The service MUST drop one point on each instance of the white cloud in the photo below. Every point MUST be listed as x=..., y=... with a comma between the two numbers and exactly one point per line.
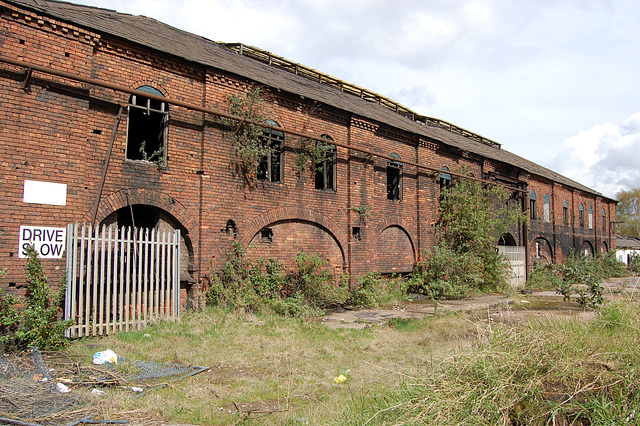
x=604, y=157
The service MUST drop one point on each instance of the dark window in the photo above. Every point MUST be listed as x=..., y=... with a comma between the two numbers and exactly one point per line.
x=581, y=216
x=604, y=220
x=394, y=178
x=270, y=166
x=266, y=235
x=532, y=205
x=565, y=212
x=445, y=179
x=357, y=234
x=147, y=128
x=326, y=169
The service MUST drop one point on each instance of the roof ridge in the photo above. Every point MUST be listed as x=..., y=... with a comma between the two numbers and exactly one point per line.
x=280, y=62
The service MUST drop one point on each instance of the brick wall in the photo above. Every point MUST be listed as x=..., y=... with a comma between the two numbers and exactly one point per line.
x=60, y=131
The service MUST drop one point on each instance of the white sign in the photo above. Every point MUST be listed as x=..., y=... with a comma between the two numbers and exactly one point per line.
x=38, y=192
x=48, y=242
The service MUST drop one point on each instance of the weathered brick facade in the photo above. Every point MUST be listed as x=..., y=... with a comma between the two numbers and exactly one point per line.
x=57, y=129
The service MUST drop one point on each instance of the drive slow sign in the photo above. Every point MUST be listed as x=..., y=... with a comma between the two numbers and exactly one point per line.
x=48, y=242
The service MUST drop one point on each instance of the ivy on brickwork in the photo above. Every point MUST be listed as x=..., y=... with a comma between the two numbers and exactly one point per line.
x=311, y=154
x=248, y=144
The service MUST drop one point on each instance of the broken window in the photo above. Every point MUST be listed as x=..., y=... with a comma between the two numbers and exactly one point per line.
x=445, y=179
x=394, y=178
x=547, y=209
x=326, y=169
x=581, y=216
x=590, y=217
x=532, y=205
x=270, y=166
x=147, y=128
x=565, y=212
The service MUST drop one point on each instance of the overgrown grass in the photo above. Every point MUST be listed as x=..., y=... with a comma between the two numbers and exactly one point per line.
x=448, y=369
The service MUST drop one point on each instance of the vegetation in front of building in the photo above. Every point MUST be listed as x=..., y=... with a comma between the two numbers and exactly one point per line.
x=309, y=289
x=579, y=275
x=472, y=218
x=449, y=369
x=39, y=324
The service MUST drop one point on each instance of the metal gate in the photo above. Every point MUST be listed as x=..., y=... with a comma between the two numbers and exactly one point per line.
x=517, y=259
x=120, y=279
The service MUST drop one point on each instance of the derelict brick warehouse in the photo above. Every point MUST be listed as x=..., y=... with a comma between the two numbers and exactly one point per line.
x=109, y=118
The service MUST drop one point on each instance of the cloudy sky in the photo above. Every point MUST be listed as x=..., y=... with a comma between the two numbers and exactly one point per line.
x=555, y=81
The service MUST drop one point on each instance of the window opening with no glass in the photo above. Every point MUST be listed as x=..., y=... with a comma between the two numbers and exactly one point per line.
x=147, y=128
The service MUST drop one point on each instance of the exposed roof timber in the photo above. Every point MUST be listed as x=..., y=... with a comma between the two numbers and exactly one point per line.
x=310, y=73
x=194, y=107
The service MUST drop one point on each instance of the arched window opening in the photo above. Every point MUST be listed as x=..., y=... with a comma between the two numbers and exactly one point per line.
x=565, y=212
x=325, y=176
x=590, y=217
x=532, y=205
x=604, y=220
x=581, y=216
x=547, y=209
x=147, y=128
x=270, y=166
x=394, y=178
x=445, y=179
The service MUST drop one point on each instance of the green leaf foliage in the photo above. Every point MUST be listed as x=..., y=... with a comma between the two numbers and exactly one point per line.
x=472, y=218
x=628, y=212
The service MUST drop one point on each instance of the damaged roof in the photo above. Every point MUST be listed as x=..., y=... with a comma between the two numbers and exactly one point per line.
x=165, y=38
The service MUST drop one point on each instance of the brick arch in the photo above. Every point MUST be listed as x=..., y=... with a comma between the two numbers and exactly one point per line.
x=144, y=82
x=123, y=198
x=295, y=213
x=405, y=225
x=546, y=250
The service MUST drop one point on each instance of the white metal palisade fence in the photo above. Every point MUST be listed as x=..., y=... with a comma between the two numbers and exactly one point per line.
x=120, y=279
x=516, y=256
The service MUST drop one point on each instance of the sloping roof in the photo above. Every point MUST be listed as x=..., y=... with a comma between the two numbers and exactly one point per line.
x=630, y=243
x=165, y=38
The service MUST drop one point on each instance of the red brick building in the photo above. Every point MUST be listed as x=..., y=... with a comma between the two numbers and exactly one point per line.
x=111, y=118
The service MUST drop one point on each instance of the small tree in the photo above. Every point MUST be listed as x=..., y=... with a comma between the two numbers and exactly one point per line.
x=472, y=217
x=40, y=325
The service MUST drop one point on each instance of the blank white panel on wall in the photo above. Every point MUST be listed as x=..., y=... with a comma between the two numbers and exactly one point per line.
x=37, y=192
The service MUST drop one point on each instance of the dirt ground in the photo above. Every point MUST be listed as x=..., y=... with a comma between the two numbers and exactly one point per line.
x=517, y=307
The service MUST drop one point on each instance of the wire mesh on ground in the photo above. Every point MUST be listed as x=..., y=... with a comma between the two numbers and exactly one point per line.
x=28, y=384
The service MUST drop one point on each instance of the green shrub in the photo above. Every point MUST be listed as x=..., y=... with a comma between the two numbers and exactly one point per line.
x=544, y=276
x=9, y=315
x=634, y=263
x=264, y=285
x=371, y=290
x=40, y=325
x=443, y=274
x=316, y=283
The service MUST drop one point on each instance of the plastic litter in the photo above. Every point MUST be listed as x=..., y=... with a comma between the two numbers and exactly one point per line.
x=105, y=357
x=136, y=389
x=62, y=388
x=97, y=392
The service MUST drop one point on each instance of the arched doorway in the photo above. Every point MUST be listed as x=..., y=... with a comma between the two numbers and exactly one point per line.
x=150, y=217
